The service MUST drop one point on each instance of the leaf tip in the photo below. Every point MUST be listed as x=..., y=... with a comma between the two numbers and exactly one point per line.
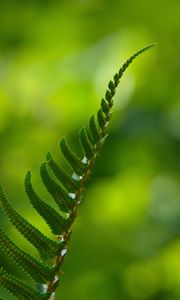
x=28, y=175
x=48, y=156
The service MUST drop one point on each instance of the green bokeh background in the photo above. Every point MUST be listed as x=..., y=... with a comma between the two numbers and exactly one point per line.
x=56, y=58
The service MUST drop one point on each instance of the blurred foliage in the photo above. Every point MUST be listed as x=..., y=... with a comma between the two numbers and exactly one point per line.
x=56, y=58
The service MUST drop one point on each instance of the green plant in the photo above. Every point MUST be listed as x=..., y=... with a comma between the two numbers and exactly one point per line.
x=67, y=194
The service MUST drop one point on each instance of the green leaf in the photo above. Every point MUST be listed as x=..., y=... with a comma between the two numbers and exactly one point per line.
x=112, y=87
x=46, y=247
x=67, y=180
x=60, y=196
x=94, y=130
x=105, y=107
x=116, y=79
x=34, y=268
x=109, y=96
x=18, y=287
x=78, y=166
x=101, y=119
x=57, y=223
x=86, y=144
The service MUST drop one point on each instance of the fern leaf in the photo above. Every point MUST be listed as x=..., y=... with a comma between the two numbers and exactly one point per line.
x=116, y=82
x=112, y=87
x=56, y=222
x=34, y=268
x=101, y=119
x=109, y=96
x=19, y=288
x=60, y=196
x=105, y=107
x=46, y=247
x=75, y=162
x=86, y=144
x=67, y=180
x=94, y=130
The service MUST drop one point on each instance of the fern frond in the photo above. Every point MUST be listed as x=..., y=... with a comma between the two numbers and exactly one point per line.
x=37, y=270
x=46, y=247
x=19, y=288
x=67, y=192
x=56, y=222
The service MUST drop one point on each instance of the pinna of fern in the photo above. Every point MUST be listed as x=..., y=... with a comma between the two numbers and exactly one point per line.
x=67, y=191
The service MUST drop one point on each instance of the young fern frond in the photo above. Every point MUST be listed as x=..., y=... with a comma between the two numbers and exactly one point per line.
x=67, y=191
